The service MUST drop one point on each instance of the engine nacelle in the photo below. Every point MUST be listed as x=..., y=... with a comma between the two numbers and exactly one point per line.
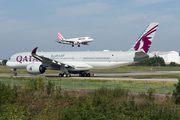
x=35, y=68
x=76, y=42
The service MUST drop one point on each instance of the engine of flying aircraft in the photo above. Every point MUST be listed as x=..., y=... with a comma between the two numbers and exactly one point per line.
x=35, y=68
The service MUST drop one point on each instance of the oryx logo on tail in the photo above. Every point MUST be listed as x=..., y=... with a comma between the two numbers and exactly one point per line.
x=146, y=38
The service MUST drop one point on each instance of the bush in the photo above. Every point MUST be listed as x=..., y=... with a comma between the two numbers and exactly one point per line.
x=7, y=94
x=9, y=112
x=50, y=87
x=176, y=92
x=155, y=61
x=150, y=94
x=102, y=103
x=173, y=64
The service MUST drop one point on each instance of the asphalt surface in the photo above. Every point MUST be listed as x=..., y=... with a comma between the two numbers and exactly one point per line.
x=114, y=76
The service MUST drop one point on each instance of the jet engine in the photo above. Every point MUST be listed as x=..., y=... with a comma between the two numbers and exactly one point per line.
x=35, y=68
x=76, y=42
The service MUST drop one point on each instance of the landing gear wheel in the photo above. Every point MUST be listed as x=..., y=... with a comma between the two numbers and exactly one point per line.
x=14, y=74
x=61, y=75
x=68, y=75
x=80, y=74
x=72, y=45
x=84, y=74
x=78, y=45
x=64, y=75
x=88, y=75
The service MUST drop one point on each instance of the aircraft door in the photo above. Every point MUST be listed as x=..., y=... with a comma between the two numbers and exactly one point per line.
x=79, y=58
x=114, y=58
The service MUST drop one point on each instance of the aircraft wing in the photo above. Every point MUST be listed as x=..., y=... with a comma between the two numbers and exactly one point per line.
x=47, y=61
x=68, y=40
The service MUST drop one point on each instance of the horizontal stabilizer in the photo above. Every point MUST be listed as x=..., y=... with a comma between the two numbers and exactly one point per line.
x=140, y=56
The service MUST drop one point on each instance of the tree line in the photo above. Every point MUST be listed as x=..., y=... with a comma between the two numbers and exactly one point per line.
x=155, y=61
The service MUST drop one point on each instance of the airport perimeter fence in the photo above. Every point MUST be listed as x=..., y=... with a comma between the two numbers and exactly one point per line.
x=87, y=85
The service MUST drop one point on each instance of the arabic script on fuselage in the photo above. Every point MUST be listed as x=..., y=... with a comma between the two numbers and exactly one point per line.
x=57, y=55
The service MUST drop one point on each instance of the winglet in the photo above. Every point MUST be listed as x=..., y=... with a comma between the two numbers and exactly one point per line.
x=34, y=51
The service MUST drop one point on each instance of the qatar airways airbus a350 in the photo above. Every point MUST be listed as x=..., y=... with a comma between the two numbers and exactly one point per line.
x=81, y=62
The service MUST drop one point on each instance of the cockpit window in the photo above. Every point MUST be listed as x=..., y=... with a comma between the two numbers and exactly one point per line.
x=9, y=58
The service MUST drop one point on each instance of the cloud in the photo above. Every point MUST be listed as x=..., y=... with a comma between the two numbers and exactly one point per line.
x=132, y=17
x=82, y=10
x=147, y=2
x=150, y=17
x=2, y=13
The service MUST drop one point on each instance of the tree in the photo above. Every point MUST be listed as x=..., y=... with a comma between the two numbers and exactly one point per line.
x=155, y=61
x=4, y=62
x=173, y=64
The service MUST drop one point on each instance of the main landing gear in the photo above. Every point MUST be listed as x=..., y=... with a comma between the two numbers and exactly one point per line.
x=64, y=75
x=84, y=75
x=73, y=45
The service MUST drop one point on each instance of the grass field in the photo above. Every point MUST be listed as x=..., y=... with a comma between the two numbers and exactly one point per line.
x=152, y=76
x=90, y=84
x=7, y=70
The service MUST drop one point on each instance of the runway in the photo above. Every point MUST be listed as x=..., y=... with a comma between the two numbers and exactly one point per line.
x=114, y=76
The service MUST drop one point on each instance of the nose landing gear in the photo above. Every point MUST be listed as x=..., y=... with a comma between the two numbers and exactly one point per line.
x=15, y=73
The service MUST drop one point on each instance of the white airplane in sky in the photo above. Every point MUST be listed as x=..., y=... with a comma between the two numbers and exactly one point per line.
x=80, y=62
x=74, y=41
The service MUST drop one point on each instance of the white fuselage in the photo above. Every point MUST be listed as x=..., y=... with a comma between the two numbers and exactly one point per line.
x=79, y=60
x=76, y=41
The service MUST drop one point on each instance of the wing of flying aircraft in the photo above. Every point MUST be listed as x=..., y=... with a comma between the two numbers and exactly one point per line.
x=80, y=62
x=74, y=41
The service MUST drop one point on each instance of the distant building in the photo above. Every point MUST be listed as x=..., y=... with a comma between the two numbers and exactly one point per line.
x=1, y=61
x=169, y=56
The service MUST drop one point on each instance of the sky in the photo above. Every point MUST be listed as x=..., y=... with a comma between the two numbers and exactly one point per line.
x=114, y=25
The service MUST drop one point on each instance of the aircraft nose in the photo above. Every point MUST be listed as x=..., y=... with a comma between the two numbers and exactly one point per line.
x=8, y=63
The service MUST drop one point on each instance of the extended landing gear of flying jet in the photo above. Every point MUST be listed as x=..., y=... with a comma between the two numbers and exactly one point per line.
x=64, y=75
x=84, y=75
